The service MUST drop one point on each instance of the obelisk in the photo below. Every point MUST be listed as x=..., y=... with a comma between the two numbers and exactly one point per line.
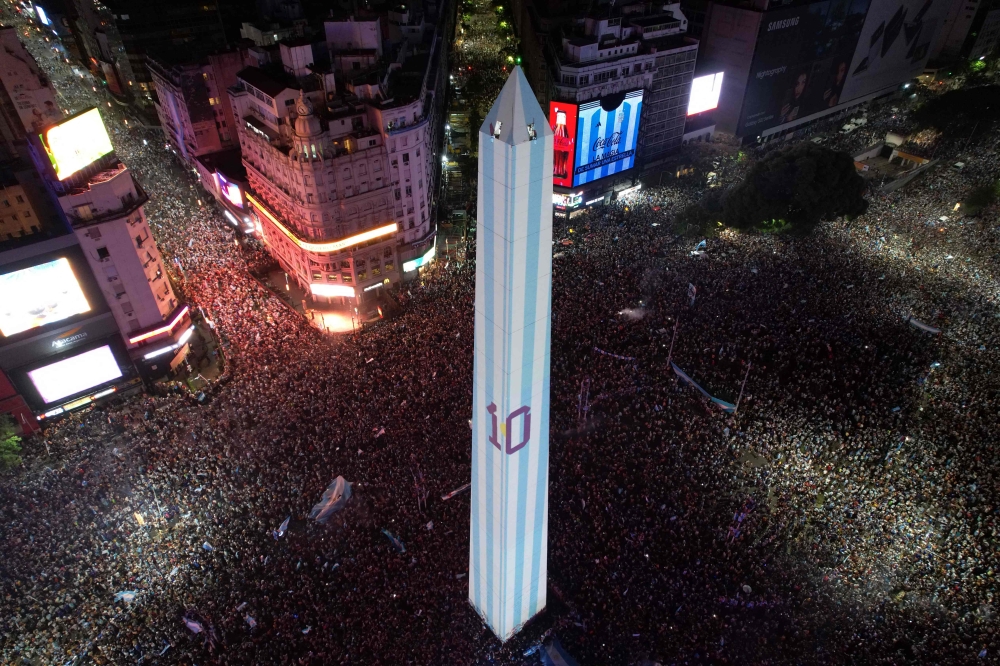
x=510, y=396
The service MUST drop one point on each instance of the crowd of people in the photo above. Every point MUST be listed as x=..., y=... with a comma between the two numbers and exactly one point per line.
x=845, y=513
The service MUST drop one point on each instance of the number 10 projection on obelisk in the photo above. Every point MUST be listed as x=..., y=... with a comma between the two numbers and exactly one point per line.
x=510, y=421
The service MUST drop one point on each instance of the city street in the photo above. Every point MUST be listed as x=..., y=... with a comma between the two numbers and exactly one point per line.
x=846, y=513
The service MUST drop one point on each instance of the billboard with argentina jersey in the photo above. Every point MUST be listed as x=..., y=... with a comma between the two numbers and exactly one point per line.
x=607, y=130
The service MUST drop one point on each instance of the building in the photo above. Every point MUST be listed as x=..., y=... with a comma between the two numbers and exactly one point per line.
x=635, y=57
x=192, y=103
x=508, y=542
x=341, y=178
x=116, y=36
x=269, y=34
x=986, y=37
x=787, y=65
x=27, y=101
x=958, y=19
x=103, y=204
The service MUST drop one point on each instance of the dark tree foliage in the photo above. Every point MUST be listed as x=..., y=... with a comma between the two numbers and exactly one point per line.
x=957, y=112
x=980, y=198
x=796, y=188
x=701, y=219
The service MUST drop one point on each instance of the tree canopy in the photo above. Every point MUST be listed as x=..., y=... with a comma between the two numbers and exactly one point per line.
x=791, y=189
x=959, y=111
x=9, y=444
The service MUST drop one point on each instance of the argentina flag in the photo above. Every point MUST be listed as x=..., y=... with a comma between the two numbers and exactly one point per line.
x=607, y=133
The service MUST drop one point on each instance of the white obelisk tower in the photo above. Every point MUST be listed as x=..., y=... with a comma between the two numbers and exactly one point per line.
x=508, y=548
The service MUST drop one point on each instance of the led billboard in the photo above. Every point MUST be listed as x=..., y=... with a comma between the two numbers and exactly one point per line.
x=705, y=91
x=894, y=46
x=75, y=374
x=42, y=16
x=562, y=119
x=39, y=295
x=230, y=190
x=606, y=135
x=801, y=62
x=76, y=143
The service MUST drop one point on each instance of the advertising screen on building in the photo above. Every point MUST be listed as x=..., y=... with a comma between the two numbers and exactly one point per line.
x=230, y=190
x=801, y=62
x=606, y=135
x=76, y=143
x=705, y=91
x=894, y=46
x=75, y=374
x=42, y=16
x=562, y=119
x=39, y=295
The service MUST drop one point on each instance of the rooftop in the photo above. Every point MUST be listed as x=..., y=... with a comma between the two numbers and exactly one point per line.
x=267, y=82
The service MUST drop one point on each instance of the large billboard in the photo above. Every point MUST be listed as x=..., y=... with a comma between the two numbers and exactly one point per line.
x=607, y=131
x=562, y=120
x=705, y=92
x=75, y=374
x=76, y=143
x=39, y=295
x=894, y=45
x=801, y=63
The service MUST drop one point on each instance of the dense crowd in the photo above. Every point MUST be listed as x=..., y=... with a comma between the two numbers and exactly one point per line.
x=845, y=514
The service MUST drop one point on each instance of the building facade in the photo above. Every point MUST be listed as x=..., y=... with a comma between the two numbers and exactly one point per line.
x=193, y=106
x=340, y=183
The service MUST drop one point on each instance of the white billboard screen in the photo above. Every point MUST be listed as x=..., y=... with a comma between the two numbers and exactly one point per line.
x=705, y=91
x=77, y=143
x=39, y=295
x=75, y=374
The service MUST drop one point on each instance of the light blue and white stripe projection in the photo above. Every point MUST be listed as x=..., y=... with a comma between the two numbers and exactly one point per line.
x=508, y=547
x=606, y=138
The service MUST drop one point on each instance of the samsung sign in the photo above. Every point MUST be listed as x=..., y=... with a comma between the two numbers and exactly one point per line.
x=784, y=23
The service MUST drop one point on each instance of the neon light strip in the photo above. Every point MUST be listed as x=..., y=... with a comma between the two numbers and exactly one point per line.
x=162, y=329
x=330, y=246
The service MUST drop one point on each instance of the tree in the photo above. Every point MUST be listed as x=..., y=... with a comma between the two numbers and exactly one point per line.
x=980, y=198
x=796, y=188
x=9, y=444
x=959, y=112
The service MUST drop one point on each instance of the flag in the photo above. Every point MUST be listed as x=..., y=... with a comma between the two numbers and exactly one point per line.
x=139, y=519
x=127, y=596
x=692, y=293
x=252, y=622
x=922, y=326
x=701, y=245
x=194, y=625
x=284, y=526
x=334, y=499
x=725, y=406
x=380, y=433
x=207, y=546
x=395, y=541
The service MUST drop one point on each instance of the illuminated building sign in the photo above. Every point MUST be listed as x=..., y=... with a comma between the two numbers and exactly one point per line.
x=328, y=246
x=322, y=289
x=163, y=329
x=42, y=16
x=230, y=190
x=414, y=264
x=75, y=374
x=39, y=295
x=76, y=143
x=562, y=120
x=567, y=200
x=606, y=136
x=705, y=91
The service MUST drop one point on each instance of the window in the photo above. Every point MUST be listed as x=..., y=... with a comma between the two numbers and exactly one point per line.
x=138, y=241
x=409, y=191
x=20, y=199
x=103, y=254
x=389, y=267
x=317, y=275
x=127, y=308
x=345, y=264
x=376, y=271
x=406, y=158
x=387, y=253
x=331, y=278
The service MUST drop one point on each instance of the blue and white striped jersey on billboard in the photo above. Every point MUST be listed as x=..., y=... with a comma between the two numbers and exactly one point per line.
x=606, y=138
x=508, y=554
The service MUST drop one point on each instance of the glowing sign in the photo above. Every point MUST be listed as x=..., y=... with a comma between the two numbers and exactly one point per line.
x=75, y=374
x=414, y=264
x=163, y=329
x=42, y=16
x=76, y=143
x=606, y=136
x=230, y=190
x=40, y=295
x=562, y=120
x=507, y=429
x=321, y=289
x=329, y=246
x=705, y=91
